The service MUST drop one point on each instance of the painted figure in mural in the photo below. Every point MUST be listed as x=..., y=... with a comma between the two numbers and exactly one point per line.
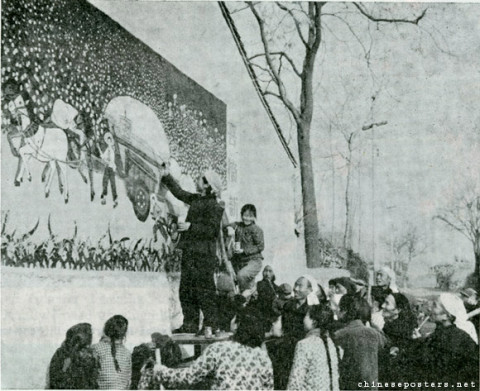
x=198, y=243
x=46, y=144
x=19, y=109
x=108, y=157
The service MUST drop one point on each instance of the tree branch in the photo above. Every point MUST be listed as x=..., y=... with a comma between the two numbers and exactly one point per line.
x=281, y=54
x=365, y=51
x=262, y=68
x=272, y=94
x=388, y=20
x=455, y=227
x=370, y=126
x=276, y=77
x=297, y=23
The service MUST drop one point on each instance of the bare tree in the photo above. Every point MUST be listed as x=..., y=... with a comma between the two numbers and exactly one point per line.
x=405, y=244
x=463, y=216
x=277, y=66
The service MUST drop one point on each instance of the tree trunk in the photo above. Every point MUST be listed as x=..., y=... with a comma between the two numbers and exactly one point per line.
x=476, y=249
x=333, y=184
x=476, y=273
x=310, y=220
x=347, y=234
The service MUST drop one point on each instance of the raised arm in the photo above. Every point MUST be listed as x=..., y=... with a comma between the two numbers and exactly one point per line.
x=194, y=373
x=177, y=191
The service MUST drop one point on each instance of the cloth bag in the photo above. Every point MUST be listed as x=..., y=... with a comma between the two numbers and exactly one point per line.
x=225, y=278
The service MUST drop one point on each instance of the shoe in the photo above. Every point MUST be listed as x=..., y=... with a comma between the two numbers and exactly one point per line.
x=103, y=201
x=115, y=203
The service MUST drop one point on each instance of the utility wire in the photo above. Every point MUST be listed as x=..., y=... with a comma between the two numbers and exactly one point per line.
x=254, y=79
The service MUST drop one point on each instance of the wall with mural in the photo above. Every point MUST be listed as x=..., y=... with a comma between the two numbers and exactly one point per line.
x=89, y=115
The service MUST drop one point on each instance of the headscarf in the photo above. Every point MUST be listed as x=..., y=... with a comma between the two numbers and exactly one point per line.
x=454, y=306
x=312, y=298
x=393, y=278
x=214, y=181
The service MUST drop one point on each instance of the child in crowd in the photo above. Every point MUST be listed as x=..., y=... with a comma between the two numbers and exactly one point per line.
x=315, y=365
x=113, y=357
x=249, y=244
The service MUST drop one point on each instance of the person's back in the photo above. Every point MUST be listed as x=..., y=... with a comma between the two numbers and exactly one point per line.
x=73, y=365
x=109, y=378
x=114, y=360
x=240, y=364
x=321, y=374
x=360, y=345
x=229, y=366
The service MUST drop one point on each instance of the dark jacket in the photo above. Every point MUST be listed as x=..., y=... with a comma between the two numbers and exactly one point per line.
x=267, y=292
x=361, y=345
x=448, y=355
x=380, y=293
x=204, y=215
x=73, y=365
x=251, y=239
x=292, y=320
x=399, y=334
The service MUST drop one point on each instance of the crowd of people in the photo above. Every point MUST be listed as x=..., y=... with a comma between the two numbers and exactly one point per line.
x=350, y=336
x=294, y=339
x=71, y=51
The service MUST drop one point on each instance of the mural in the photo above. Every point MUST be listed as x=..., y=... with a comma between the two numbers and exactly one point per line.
x=83, y=97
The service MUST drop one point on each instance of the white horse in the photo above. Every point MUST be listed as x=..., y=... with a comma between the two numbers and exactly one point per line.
x=47, y=145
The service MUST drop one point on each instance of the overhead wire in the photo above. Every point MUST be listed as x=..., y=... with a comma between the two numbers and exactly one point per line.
x=253, y=77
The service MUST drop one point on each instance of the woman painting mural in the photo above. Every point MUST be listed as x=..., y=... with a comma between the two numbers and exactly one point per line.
x=198, y=245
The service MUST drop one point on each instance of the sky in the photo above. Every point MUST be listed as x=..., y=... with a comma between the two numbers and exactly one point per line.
x=427, y=82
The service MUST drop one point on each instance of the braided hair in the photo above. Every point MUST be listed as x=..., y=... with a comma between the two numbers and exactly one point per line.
x=322, y=316
x=116, y=329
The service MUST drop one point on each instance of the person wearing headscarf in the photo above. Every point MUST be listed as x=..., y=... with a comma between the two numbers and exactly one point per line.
x=450, y=353
x=267, y=292
x=198, y=243
x=471, y=303
x=73, y=365
x=454, y=306
x=399, y=325
x=386, y=284
x=317, y=295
